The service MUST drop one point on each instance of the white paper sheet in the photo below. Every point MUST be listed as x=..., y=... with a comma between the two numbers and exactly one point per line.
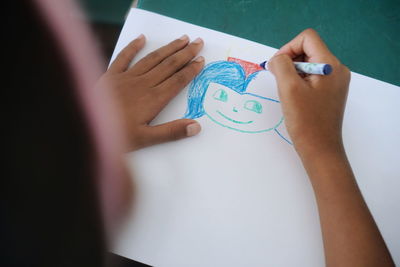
x=230, y=198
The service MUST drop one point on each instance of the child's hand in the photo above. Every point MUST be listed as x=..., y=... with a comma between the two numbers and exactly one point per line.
x=313, y=106
x=144, y=89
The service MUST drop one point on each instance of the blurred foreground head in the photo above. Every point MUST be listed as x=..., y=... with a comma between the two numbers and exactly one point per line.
x=62, y=145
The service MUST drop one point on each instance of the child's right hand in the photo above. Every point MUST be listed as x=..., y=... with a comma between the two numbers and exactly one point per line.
x=313, y=106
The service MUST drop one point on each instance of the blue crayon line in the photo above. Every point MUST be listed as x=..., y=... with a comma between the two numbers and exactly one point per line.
x=262, y=97
x=290, y=143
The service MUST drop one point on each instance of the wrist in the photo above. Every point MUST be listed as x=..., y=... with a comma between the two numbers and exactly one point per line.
x=318, y=152
x=310, y=148
x=324, y=160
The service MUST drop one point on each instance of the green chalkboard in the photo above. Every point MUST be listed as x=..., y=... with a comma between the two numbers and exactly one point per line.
x=363, y=34
x=106, y=11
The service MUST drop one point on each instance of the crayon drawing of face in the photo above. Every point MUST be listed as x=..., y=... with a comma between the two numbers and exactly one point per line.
x=245, y=113
x=231, y=95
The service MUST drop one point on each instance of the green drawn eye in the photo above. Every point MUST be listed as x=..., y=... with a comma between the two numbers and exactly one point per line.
x=221, y=95
x=253, y=105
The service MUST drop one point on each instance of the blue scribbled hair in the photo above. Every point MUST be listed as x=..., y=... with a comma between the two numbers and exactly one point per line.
x=229, y=74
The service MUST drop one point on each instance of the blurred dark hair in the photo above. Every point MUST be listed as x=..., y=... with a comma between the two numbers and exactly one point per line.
x=49, y=204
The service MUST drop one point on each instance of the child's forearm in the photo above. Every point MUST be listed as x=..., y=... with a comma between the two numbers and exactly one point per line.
x=350, y=235
x=313, y=107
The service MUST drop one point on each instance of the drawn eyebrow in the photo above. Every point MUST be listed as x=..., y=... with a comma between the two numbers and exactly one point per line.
x=262, y=97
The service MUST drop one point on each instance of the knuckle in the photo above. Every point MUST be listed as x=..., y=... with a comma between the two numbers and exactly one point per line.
x=173, y=61
x=192, y=51
x=174, y=132
x=141, y=137
x=133, y=48
x=175, y=43
x=336, y=63
x=160, y=96
x=178, y=43
x=282, y=57
x=155, y=54
x=336, y=66
x=123, y=55
x=278, y=58
x=182, y=77
x=128, y=52
x=291, y=84
x=145, y=80
x=194, y=69
x=123, y=59
x=346, y=71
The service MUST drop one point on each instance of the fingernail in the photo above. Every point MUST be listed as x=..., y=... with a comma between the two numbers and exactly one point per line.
x=141, y=36
x=199, y=59
x=198, y=41
x=184, y=37
x=193, y=129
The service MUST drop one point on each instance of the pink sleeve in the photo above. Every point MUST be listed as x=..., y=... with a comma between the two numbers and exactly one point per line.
x=74, y=39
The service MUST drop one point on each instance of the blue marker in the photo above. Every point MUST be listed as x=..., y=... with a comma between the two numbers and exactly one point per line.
x=309, y=68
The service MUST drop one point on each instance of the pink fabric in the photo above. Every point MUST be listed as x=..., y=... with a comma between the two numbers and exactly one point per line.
x=74, y=39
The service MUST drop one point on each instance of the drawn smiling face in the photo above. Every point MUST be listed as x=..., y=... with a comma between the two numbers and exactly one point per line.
x=244, y=112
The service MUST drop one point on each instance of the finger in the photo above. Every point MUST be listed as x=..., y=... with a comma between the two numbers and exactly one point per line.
x=284, y=71
x=172, y=86
x=125, y=57
x=174, y=62
x=310, y=44
x=171, y=131
x=155, y=57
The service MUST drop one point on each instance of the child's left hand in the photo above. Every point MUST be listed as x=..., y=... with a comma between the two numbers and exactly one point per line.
x=144, y=89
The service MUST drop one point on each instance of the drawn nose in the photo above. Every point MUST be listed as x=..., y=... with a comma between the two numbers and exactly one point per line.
x=234, y=109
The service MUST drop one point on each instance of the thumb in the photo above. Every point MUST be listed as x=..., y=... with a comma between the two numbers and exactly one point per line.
x=172, y=131
x=284, y=71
